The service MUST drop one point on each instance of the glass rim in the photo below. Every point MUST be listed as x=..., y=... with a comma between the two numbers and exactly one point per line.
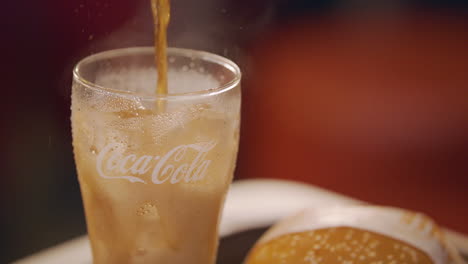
x=189, y=53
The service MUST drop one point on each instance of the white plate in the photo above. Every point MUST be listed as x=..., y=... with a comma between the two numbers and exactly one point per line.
x=250, y=204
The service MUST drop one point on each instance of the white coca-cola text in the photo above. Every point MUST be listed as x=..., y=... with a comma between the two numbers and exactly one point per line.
x=166, y=168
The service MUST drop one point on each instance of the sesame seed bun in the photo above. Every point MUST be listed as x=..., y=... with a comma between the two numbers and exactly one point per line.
x=353, y=235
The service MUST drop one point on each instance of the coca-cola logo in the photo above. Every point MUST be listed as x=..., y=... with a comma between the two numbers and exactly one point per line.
x=172, y=167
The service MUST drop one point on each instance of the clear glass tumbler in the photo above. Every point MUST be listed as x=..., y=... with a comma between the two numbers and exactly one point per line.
x=154, y=170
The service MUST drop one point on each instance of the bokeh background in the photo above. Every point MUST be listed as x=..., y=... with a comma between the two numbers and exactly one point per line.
x=366, y=98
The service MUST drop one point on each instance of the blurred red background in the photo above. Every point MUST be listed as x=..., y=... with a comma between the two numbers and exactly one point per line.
x=372, y=107
x=366, y=98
